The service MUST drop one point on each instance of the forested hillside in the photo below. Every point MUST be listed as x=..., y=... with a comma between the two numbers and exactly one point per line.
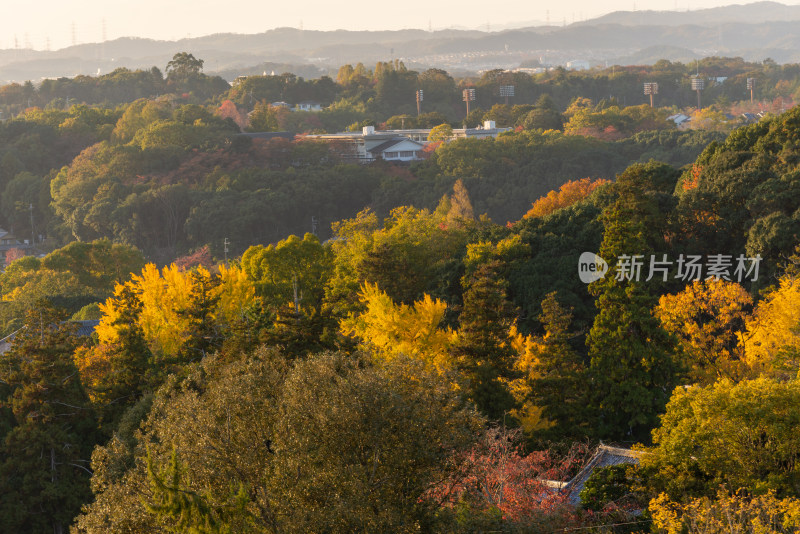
x=441, y=357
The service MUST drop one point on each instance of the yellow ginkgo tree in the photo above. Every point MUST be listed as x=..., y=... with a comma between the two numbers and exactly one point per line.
x=391, y=329
x=772, y=341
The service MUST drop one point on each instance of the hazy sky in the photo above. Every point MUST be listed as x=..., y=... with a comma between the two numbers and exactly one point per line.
x=62, y=22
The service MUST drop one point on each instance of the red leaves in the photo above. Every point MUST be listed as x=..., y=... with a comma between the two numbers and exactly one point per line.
x=13, y=255
x=497, y=474
x=200, y=257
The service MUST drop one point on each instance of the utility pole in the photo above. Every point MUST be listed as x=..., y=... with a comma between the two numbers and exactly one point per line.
x=751, y=83
x=419, y=101
x=296, y=297
x=33, y=234
x=314, y=224
x=225, y=244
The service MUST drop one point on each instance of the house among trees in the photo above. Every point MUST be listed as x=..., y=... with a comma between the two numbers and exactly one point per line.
x=396, y=145
x=370, y=145
x=9, y=243
x=308, y=105
x=679, y=119
x=605, y=456
x=398, y=149
x=489, y=129
x=7, y=239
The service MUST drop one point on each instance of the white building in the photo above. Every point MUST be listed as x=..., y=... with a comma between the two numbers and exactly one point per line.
x=489, y=129
x=308, y=105
x=397, y=145
x=397, y=149
x=578, y=64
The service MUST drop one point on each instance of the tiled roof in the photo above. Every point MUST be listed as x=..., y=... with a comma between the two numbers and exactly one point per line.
x=86, y=328
x=605, y=456
x=386, y=144
x=390, y=143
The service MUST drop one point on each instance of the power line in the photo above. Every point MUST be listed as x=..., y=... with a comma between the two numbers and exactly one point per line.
x=572, y=529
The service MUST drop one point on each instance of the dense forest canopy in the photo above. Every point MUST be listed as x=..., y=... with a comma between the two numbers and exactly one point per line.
x=283, y=340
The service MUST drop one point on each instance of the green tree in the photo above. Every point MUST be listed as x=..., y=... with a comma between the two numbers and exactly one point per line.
x=544, y=115
x=483, y=347
x=442, y=132
x=560, y=384
x=44, y=466
x=330, y=444
x=265, y=118
x=728, y=435
x=117, y=375
x=183, y=65
x=187, y=511
x=294, y=271
x=632, y=368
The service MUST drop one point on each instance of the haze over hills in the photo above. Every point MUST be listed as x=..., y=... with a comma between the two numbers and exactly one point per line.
x=638, y=37
x=750, y=13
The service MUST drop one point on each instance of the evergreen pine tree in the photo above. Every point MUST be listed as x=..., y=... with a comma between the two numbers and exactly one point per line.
x=131, y=361
x=483, y=349
x=560, y=385
x=44, y=474
x=632, y=367
x=204, y=336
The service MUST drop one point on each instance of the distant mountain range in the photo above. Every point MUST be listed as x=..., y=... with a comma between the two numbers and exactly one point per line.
x=754, y=13
x=753, y=31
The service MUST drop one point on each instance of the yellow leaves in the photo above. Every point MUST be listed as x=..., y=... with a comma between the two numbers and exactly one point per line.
x=401, y=329
x=106, y=331
x=236, y=294
x=163, y=295
x=166, y=294
x=774, y=327
x=709, y=119
x=94, y=365
x=528, y=350
x=665, y=515
x=708, y=318
x=763, y=514
x=391, y=330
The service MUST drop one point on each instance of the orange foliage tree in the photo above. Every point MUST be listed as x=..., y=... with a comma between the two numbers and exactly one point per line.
x=570, y=193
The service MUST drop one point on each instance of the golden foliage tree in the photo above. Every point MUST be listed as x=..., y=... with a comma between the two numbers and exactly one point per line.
x=708, y=317
x=773, y=333
x=762, y=514
x=167, y=295
x=393, y=329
